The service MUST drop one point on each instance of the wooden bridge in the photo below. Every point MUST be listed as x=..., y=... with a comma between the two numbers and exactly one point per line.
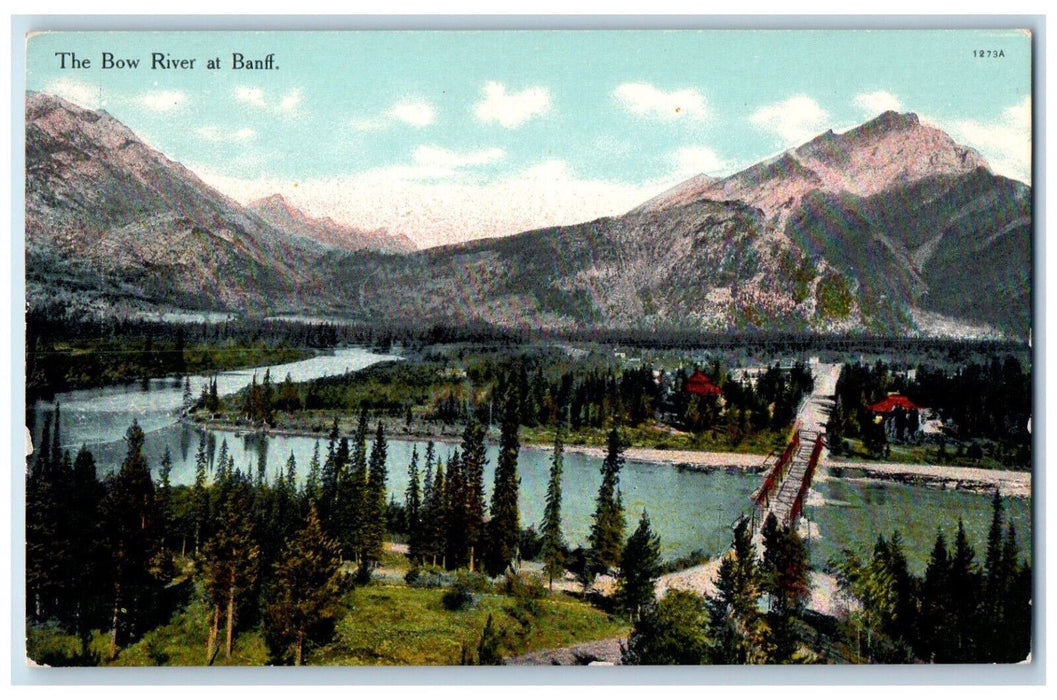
x=786, y=483
x=788, y=479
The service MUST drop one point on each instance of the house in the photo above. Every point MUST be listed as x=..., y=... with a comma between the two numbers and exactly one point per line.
x=901, y=416
x=700, y=384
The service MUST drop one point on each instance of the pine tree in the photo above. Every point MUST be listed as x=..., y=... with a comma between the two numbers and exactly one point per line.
x=312, y=480
x=87, y=563
x=188, y=398
x=673, y=631
x=783, y=574
x=456, y=547
x=165, y=514
x=230, y=558
x=1014, y=643
x=374, y=506
x=504, y=527
x=200, y=509
x=473, y=463
x=640, y=567
x=965, y=589
x=128, y=513
x=307, y=593
x=355, y=506
x=996, y=578
x=933, y=635
x=222, y=460
x=488, y=648
x=42, y=514
x=607, y=528
x=413, y=509
x=328, y=482
x=553, y=551
x=734, y=620
x=436, y=518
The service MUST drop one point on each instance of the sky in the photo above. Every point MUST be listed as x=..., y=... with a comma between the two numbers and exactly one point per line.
x=451, y=136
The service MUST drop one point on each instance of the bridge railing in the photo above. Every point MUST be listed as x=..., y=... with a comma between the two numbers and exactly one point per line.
x=812, y=464
x=775, y=475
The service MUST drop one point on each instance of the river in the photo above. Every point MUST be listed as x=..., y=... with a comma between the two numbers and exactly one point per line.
x=689, y=510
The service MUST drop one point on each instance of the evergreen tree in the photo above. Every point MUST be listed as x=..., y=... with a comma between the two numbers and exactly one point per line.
x=188, y=397
x=607, y=528
x=374, y=507
x=456, y=542
x=1014, y=642
x=413, y=509
x=87, y=563
x=934, y=633
x=735, y=623
x=354, y=507
x=504, y=527
x=43, y=509
x=200, y=509
x=965, y=595
x=312, y=480
x=672, y=631
x=308, y=588
x=128, y=515
x=783, y=577
x=437, y=518
x=488, y=648
x=230, y=559
x=553, y=542
x=640, y=567
x=328, y=482
x=473, y=463
x=165, y=508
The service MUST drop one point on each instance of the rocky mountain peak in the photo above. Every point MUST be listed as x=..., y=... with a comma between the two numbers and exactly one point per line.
x=890, y=149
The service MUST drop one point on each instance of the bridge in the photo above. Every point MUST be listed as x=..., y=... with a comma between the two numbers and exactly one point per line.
x=788, y=479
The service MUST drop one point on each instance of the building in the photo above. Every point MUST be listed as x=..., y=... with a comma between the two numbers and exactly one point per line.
x=901, y=417
x=700, y=384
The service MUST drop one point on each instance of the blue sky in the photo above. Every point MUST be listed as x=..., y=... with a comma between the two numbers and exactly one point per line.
x=449, y=136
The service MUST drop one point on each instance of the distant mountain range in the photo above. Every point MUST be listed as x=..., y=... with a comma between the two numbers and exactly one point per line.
x=890, y=227
x=287, y=218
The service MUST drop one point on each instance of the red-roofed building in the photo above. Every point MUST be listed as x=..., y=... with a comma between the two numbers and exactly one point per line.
x=700, y=384
x=892, y=402
x=899, y=415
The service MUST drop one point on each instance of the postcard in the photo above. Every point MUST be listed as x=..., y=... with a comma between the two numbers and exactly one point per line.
x=549, y=347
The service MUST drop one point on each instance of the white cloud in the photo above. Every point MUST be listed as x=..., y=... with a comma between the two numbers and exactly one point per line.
x=878, y=101
x=77, y=92
x=290, y=101
x=693, y=160
x=434, y=156
x=513, y=109
x=1005, y=142
x=794, y=120
x=646, y=100
x=162, y=100
x=413, y=112
x=251, y=96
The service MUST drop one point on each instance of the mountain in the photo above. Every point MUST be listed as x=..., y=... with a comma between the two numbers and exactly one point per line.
x=110, y=218
x=889, y=228
x=890, y=150
x=707, y=265
x=902, y=213
x=286, y=217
